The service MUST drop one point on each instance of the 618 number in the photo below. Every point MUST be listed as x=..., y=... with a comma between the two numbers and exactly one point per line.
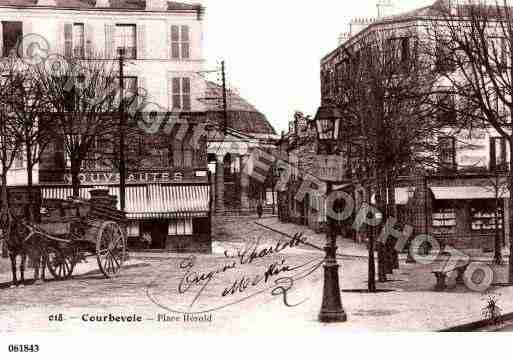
x=23, y=348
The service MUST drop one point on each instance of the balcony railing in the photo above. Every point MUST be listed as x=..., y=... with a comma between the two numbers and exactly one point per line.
x=129, y=52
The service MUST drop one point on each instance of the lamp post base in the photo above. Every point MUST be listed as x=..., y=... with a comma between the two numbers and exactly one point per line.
x=331, y=310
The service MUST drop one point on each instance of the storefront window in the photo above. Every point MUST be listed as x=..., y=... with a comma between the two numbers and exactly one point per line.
x=483, y=217
x=180, y=227
x=444, y=217
x=133, y=229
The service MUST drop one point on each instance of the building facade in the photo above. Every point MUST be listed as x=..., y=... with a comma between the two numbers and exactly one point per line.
x=461, y=202
x=168, y=198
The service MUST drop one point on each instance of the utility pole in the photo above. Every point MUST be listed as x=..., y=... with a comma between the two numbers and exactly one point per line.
x=225, y=104
x=122, y=165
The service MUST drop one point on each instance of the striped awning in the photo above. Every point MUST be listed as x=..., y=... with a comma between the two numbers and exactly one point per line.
x=150, y=201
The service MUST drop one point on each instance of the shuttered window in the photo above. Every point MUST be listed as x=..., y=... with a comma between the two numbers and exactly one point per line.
x=180, y=42
x=78, y=40
x=185, y=42
x=175, y=42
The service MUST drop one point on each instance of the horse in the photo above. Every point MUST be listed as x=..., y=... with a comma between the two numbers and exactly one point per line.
x=23, y=240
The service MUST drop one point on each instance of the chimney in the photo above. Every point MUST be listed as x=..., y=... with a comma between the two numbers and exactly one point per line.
x=385, y=8
x=102, y=3
x=343, y=37
x=156, y=5
x=46, y=3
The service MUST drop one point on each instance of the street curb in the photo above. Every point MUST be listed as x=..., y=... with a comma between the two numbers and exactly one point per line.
x=473, y=326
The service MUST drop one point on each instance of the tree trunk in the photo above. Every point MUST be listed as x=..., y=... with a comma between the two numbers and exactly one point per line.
x=392, y=213
x=498, y=252
x=382, y=269
x=5, y=208
x=372, y=261
x=30, y=183
x=510, y=205
x=75, y=180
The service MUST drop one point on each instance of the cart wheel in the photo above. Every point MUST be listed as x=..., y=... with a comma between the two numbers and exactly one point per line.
x=60, y=263
x=110, y=249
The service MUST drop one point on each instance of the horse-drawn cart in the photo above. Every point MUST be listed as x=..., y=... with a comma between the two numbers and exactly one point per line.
x=92, y=229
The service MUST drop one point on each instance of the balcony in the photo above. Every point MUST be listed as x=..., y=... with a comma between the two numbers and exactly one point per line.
x=129, y=52
x=79, y=52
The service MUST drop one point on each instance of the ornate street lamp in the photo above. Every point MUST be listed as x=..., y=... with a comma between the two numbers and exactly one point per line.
x=327, y=123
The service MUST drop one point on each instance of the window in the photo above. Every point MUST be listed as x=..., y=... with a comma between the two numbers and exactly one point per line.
x=446, y=107
x=405, y=51
x=180, y=42
x=483, y=216
x=498, y=154
x=444, y=60
x=70, y=144
x=92, y=159
x=19, y=158
x=445, y=217
x=447, y=147
x=130, y=87
x=181, y=93
x=126, y=39
x=74, y=40
x=78, y=41
x=180, y=227
x=12, y=33
x=133, y=229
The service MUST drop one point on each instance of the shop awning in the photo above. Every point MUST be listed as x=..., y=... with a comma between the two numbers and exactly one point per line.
x=468, y=192
x=151, y=201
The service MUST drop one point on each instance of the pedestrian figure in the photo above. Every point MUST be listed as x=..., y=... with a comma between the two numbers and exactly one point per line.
x=260, y=209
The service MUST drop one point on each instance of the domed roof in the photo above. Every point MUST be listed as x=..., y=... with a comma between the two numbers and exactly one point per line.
x=242, y=116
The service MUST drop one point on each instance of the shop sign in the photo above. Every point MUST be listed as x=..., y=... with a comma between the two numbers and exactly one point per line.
x=100, y=178
x=330, y=168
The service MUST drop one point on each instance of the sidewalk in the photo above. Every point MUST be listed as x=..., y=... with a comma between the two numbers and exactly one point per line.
x=411, y=303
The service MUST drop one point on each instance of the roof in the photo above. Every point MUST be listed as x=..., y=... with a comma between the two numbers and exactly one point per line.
x=438, y=8
x=114, y=4
x=242, y=116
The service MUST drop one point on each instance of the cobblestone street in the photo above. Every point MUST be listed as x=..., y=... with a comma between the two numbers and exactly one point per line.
x=154, y=287
x=150, y=276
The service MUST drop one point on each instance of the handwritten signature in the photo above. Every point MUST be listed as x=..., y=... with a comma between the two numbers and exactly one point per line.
x=278, y=276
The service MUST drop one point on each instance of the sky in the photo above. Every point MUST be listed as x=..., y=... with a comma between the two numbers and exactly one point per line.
x=273, y=48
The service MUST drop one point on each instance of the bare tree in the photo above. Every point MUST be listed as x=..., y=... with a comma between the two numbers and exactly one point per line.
x=386, y=93
x=10, y=144
x=31, y=124
x=474, y=42
x=83, y=95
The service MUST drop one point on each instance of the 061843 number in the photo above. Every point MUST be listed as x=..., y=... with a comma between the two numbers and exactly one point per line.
x=23, y=348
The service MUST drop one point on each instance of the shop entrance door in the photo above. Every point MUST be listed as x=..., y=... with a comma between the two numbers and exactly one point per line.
x=158, y=232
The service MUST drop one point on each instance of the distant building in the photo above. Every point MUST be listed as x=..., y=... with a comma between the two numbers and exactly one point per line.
x=456, y=202
x=247, y=129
